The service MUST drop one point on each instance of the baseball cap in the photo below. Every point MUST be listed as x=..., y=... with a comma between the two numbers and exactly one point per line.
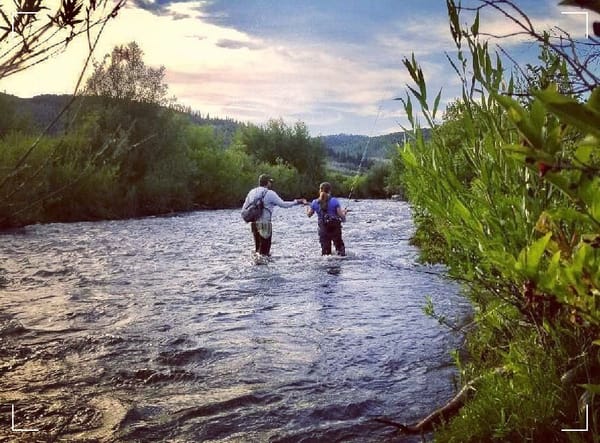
x=263, y=179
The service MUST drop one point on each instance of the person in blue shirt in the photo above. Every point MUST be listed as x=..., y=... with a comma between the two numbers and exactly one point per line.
x=330, y=217
x=262, y=229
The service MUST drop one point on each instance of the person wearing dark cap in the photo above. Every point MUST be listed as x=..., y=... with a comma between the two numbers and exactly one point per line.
x=330, y=217
x=262, y=229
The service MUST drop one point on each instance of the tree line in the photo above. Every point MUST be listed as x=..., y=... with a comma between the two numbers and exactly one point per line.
x=125, y=149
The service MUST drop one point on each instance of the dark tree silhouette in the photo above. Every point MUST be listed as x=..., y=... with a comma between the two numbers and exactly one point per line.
x=32, y=32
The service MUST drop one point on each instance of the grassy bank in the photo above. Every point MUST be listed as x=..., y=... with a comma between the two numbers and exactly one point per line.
x=506, y=192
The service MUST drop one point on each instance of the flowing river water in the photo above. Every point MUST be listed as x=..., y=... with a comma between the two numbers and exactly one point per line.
x=163, y=329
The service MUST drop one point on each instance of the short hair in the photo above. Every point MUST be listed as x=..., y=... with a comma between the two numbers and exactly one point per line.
x=325, y=187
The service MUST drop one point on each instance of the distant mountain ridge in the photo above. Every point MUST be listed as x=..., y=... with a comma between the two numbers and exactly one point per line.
x=42, y=109
x=349, y=148
x=343, y=148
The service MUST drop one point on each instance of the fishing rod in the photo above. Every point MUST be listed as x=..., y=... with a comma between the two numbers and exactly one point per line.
x=364, y=154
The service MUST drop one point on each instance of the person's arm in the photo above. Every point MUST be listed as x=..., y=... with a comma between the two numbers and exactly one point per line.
x=276, y=200
x=310, y=211
x=341, y=213
x=247, y=201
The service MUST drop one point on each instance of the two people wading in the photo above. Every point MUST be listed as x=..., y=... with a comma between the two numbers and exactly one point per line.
x=328, y=209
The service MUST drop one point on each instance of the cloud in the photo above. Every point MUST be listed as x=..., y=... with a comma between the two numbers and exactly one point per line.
x=421, y=37
x=330, y=80
x=237, y=44
x=172, y=9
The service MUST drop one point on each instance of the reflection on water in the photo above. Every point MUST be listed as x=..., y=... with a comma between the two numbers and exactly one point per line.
x=163, y=329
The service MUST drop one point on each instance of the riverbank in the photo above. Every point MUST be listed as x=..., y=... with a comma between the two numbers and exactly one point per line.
x=506, y=193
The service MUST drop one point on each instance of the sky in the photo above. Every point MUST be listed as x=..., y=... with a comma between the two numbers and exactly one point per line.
x=335, y=65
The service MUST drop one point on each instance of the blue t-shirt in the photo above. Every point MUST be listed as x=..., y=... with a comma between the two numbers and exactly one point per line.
x=332, y=206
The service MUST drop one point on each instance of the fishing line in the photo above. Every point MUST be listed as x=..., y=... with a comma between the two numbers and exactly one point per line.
x=364, y=154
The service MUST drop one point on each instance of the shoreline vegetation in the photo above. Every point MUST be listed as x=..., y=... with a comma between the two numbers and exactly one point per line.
x=506, y=193
x=123, y=148
x=117, y=158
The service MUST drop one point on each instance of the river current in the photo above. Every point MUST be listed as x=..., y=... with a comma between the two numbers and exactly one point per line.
x=164, y=329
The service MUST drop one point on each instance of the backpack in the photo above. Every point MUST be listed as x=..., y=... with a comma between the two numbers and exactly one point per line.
x=330, y=222
x=254, y=210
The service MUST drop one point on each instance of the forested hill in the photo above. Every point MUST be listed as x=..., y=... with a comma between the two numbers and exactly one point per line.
x=344, y=148
x=348, y=148
x=37, y=112
x=40, y=110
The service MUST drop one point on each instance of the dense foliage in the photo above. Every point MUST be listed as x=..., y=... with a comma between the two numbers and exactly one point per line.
x=125, y=149
x=507, y=194
x=121, y=153
x=125, y=159
x=349, y=150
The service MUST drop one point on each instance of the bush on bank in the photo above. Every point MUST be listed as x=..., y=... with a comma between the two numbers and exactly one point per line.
x=507, y=194
x=119, y=158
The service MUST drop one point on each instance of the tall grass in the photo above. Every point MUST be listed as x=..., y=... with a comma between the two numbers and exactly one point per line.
x=506, y=192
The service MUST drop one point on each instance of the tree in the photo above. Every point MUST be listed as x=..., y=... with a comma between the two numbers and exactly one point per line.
x=132, y=97
x=123, y=75
x=581, y=57
x=28, y=36
x=277, y=142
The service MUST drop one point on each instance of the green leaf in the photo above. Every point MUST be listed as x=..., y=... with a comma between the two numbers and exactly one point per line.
x=537, y=114
x=525, y=153
x=418, y=96
x=464, y=213
x=530, y=260
x=409, y=158
x=567, y=215
x=589, y=193
x=436, y=103
x=563, y=183
x=520, y=118
x=454, y=21
x=409, y=110
x=591, y=388
x=570, y=111
x=594, y=101
x=595, y=208
x=475, y=26
x=585, y=150
x=553, y=266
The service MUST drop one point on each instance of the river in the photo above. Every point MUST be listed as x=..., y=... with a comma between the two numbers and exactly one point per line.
x=164, y=329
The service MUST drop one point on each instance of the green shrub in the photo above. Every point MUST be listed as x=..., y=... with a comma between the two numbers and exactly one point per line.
x=506, y=192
